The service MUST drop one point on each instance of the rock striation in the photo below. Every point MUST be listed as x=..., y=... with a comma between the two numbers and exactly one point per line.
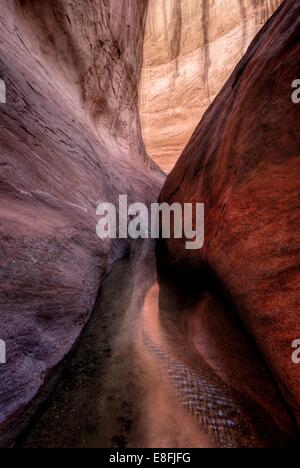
x=243, y=163
x=191, y=48
x=70, y=138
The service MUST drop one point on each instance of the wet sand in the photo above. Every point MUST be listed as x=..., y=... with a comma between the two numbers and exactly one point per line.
x=163, y=364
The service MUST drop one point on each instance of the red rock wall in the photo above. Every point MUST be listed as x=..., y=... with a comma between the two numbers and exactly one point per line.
x=70, y=138
x=243, y=163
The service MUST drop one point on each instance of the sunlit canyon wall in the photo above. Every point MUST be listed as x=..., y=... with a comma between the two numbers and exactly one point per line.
x=191, y=48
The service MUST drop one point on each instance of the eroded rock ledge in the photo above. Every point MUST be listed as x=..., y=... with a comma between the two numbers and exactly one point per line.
x=70, y=138
x=243, y=163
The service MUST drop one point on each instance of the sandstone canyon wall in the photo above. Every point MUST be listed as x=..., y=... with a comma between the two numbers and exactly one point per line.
x=243, y=163
x=70, y=137
x=191, y=48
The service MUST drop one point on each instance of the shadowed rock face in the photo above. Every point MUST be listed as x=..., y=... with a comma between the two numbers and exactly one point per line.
x=243, y=163
x=191, y=48
x=70, y=138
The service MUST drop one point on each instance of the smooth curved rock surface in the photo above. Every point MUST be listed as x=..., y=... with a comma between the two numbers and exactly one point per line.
x=191, y=48
x=243, y=163
x=70, y=137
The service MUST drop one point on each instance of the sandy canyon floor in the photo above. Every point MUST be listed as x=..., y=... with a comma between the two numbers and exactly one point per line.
x=153, y=369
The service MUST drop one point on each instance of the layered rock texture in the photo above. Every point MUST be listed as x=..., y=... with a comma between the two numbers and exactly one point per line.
x=191, y=48
x=70, y=138
x=243, y=163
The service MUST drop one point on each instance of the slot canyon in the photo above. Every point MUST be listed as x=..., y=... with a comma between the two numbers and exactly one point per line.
x=141, y=343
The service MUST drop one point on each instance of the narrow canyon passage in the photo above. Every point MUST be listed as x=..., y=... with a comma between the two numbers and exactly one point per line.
x=160, y=365
x=116, y=342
